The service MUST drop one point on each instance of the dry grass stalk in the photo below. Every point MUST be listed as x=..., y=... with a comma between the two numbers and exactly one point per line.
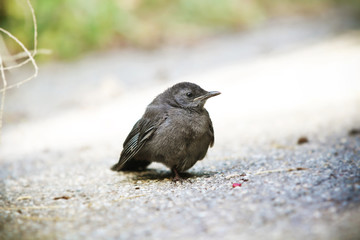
x=280, y=170
x=15, y=208
x=130, y=197
x=30, y=58
x=37, y=219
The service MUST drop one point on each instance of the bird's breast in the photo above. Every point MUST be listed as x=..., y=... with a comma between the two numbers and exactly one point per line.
x=181, y=140
x=193, y=124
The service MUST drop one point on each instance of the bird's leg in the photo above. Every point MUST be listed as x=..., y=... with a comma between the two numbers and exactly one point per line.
x=176, y=176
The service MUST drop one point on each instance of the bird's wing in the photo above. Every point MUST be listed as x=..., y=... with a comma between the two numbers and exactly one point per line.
x=211, y=129
x=212, y=141
x=139, y=135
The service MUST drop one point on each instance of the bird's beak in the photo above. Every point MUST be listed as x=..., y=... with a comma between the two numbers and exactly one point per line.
x=207, y=96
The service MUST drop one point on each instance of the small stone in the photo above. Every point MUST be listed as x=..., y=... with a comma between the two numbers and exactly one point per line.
x=354, y=131
x=62, y=197
x=245, y=179
x=302, y=140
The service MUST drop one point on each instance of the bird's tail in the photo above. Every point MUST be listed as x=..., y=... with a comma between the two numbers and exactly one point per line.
x=116, y=167
x=133, y=165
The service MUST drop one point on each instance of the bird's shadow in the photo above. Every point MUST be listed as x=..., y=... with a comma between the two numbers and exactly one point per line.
x=160, y=175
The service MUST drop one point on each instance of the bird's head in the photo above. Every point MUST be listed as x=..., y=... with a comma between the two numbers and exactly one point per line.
x=189, y=95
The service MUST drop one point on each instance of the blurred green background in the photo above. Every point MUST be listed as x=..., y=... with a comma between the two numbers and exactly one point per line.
x=73, y=27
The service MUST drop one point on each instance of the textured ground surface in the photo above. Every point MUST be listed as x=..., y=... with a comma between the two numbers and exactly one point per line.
x=65, y=129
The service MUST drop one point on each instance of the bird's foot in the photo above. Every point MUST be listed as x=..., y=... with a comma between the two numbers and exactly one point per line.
x=177, y=179
x=176, y=176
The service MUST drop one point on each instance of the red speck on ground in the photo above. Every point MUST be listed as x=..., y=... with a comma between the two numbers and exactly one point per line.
x=236, y=185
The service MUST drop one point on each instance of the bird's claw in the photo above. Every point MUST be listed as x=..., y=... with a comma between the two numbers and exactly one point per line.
x=177, y=179
x=181, y=180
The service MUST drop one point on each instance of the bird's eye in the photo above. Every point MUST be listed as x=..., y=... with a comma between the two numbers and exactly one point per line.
x=189, y=94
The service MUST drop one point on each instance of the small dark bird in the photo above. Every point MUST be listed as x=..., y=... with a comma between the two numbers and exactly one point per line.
x=175, y=130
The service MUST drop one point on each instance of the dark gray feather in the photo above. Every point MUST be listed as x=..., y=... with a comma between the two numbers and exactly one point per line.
x=139, y=135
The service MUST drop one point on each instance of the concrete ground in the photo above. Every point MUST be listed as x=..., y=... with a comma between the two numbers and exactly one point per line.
x=286, y=132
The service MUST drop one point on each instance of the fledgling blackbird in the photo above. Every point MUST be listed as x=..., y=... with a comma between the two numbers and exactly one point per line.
x=175, y=130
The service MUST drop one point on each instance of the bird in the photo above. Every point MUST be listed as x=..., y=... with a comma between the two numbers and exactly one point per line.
x=175, y=130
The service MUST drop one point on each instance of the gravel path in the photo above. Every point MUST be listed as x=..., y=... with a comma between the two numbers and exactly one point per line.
x=55, y=181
